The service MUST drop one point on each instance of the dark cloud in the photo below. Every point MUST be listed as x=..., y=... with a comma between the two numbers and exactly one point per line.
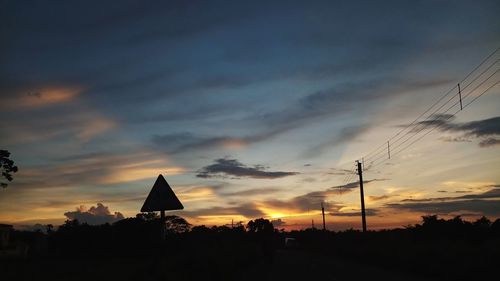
x=481, y=128
x=99, y=214
x=225, y=167
x=306, y=202
x=278, y=222
x=486, y=207
x=355, y=184
x=489, y=142
x=455, y=139
x=381, y=197
x=368, y=212
x=490, y=194
x=486, y=203
x=340, y=172
x=485, y=130
x=312, y=200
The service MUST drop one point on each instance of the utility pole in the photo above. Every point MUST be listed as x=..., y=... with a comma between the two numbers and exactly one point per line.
x=363, y=214
x=460, y=96
x=312, y=224
x=323, y=213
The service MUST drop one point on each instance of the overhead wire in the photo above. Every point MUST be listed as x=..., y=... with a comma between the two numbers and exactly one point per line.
x=379, y=155
x=415, y=126
x=381, y=149
x=440, y=124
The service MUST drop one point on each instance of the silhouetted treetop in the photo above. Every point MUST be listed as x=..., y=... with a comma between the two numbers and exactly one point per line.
x=7, y=167
x=260, y=226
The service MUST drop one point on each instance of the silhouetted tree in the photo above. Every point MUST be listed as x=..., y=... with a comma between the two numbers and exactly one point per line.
x=147, y=216
x=176, y=224
x=260, y=226
x=483, y=222
x=430, y=221
x=49, y=228
x=7, y=167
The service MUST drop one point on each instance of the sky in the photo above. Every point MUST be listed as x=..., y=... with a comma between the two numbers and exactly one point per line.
x=250, y=109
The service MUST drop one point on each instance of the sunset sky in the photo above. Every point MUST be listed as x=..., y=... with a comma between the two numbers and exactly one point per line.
x=249, y=109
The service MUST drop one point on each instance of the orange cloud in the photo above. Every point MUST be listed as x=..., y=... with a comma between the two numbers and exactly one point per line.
x=197, y=194
x=44, y=97
x=124, y=174
x=234, y=143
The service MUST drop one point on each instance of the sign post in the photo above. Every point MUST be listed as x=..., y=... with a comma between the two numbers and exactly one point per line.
x=161, y=198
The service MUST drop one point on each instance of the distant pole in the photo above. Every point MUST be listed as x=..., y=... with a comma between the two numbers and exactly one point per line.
x=363, y=214
x=232, y=223
x=312, y=223
x=323, y=213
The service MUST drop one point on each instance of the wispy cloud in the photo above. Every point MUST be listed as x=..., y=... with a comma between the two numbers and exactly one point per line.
x=253, y=192
x=40, y=97
x=187, y=142
x=96, y=168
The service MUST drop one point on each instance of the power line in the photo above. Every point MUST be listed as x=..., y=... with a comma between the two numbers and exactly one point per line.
x=441, y=124
x=416, y=125
x=425, y=126
x=381, y=148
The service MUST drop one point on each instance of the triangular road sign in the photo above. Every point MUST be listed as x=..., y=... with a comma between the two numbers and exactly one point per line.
x=161, y=198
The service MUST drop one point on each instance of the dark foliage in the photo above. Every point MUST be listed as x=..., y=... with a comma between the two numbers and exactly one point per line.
x=7, y=167
x=132, y=249
x=437, y=249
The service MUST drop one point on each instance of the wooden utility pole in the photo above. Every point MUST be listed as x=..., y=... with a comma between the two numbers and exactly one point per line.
x=323, y=213
x=460, y=96
x=363, y=213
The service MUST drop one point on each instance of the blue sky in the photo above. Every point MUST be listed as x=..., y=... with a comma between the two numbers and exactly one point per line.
x=246, y=108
